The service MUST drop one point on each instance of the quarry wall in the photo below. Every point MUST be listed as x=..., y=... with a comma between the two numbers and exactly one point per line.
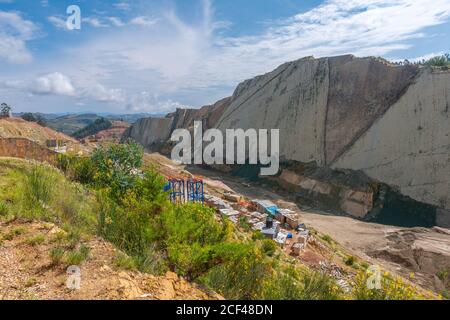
x=362, y=114
x=409, y=147
x=150, y=131
x=26, y=149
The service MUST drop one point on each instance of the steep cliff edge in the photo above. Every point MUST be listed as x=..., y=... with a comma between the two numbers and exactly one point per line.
x=363, y=114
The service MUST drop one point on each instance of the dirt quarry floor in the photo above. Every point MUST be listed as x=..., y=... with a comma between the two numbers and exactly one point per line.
x=422, y=254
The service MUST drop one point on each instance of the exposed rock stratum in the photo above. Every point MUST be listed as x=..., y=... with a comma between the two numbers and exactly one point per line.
x=363, y=114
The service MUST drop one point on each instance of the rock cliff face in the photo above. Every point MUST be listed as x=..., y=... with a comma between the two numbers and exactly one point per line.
x=390, y=122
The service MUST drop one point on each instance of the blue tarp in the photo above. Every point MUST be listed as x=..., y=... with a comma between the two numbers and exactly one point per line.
x=272, y=210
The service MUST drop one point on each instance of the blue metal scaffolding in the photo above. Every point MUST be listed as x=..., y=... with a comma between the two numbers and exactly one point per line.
x=181, y=190
x=195, y=190
x=177, y=191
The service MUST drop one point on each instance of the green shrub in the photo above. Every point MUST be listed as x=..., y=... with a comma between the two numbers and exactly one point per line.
x=291, y=283
x=30, y=283
x=444, y=274
x=242, y=274
x=4, y=209
x=83, y=170
x=123, y=261
x=244, y=224
x=190, y=234
x=72, y=239
x=153, y=260
x=350, y=261
x=56, y=255
x=38, y=187
x=269, y=247
x=116, y=167
x=12, y=234
x=80, y=169
x=327, y=238
x=391, y=288
x=36, y=240
x=77, y=257
x=131, y=222
x=257, y=235
x=317, y=286
x=48, y=196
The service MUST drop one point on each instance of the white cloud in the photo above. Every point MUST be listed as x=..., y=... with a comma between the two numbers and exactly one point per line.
x=360, y=27
x=102, y=94
x=58, y=22
x=116, y=21
x=194, y=62
x=12, y=84
x=143, y=21
x=192, y=56
x=53, y=83
x=426, y=57
x=94, y=22
x=147, y=102
x=14, y=33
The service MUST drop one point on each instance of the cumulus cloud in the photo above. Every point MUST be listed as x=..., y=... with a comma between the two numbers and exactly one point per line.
x=193, y=61
x=53, y=83
x=194, y=56
x=102, y=94
x=58, y=22
x=361, y=27
x=151, y=103
x=14, y=33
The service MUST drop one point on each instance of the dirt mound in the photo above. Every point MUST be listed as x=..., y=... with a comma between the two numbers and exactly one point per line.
x=27, y=272
x=417, y=250
x=16, y=127
x=19, y=128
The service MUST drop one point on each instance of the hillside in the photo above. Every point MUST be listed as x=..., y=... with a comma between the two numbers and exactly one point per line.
x=19, y=128
x=112, y=134
x=28, y=272
x=97, y=126
x=35, y=253
x=103, y=230
x=339, y=131
x=16, y=127
x=71, y=123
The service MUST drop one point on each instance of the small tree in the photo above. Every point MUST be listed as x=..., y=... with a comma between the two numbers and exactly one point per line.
x=5, y=111
x=116, y=166
x=438, y=61
x=29, y=117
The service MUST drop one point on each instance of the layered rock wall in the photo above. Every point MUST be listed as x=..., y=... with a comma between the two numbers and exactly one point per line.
x=390, y=122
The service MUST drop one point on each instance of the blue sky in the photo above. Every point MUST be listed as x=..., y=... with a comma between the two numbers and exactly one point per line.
x=158, y=55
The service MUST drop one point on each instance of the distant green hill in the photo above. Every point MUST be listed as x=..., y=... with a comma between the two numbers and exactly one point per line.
x=98, y=125
x=69, y=124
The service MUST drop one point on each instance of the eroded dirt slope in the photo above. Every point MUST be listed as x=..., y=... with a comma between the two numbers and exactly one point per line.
x=27, y=272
